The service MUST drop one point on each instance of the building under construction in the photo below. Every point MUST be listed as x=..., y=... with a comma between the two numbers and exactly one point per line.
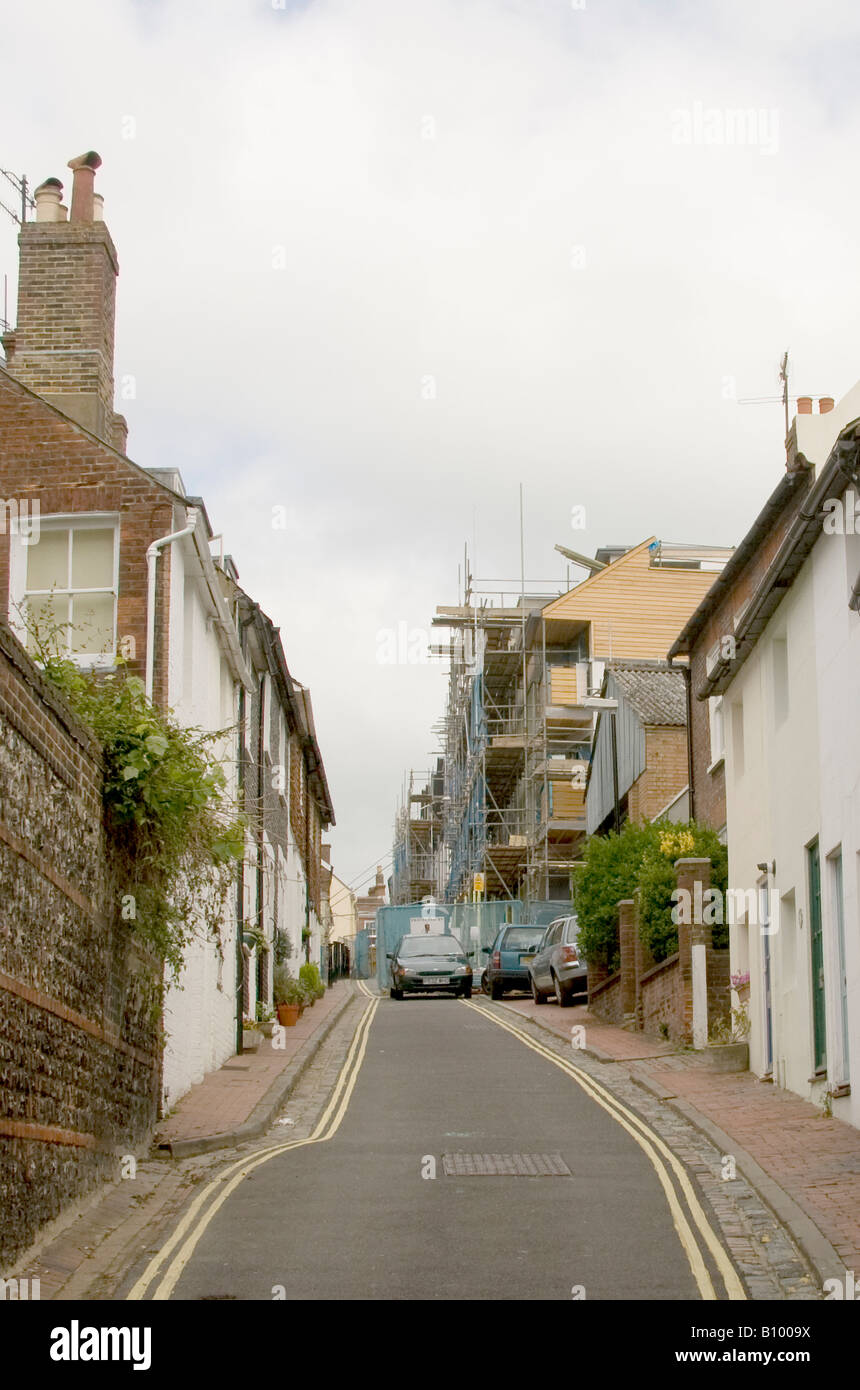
x=419, y=867
x=507, y=820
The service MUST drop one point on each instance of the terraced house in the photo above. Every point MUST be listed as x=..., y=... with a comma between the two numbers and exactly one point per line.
x=123, y=564
x=774, y=653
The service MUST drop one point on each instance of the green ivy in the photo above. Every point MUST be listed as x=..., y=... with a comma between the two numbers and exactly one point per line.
x=176, y=833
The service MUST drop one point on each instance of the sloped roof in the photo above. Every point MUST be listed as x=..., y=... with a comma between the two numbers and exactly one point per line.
x=655, y=692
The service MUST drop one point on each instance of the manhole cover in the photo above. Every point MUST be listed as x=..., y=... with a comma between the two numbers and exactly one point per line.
x=505, y=1166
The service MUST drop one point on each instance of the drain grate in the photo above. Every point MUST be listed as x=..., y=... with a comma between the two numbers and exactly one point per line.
x=505, y=1166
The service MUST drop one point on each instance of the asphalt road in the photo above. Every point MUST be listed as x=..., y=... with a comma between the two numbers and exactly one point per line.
x=353, y=1218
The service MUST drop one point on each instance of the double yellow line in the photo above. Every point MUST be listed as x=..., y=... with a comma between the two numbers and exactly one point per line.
x=194, y=1223
x=662, y=1160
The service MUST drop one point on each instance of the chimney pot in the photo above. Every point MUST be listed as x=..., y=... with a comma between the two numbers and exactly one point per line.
x=825, y=405
x=804, y=405
x=98, y=208
x=84, y=169
x=47, y=199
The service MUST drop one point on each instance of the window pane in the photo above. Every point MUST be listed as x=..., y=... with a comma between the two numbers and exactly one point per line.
x=92, y=623
x=48, y=561
x=50, y=614
x=92, y=558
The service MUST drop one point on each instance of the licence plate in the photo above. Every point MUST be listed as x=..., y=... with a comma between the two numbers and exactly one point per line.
x=437, y=979
x=526, y=960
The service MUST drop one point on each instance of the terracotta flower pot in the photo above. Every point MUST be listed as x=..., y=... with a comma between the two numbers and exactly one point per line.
x=288, y=1015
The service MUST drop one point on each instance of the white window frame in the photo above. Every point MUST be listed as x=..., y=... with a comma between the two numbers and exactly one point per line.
x=65, y=521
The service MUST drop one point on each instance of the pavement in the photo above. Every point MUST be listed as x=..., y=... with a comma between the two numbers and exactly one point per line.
x=240, y=1100
x=805, y=1165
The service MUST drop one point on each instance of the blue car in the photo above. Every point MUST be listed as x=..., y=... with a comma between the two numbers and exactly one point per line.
x=510, y=957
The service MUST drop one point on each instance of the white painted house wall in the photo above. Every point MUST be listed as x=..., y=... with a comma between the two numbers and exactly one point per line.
x=835, y=564
x=200, y=1013
x=773, y=812
x=800, y=782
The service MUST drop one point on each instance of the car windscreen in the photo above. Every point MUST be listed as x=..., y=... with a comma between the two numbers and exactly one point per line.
x=430, y=946
x=520, y=938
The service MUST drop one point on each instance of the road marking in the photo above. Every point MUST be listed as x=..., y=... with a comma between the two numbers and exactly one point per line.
x=326, y=1127
x=653, y=1146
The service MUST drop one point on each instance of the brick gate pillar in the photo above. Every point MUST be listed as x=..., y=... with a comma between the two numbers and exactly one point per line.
x=627, y=945
x=694, y=937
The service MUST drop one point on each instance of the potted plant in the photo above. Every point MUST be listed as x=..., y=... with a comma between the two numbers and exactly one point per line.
x=265, y=1020
x=251, y=1037
x=288, y=996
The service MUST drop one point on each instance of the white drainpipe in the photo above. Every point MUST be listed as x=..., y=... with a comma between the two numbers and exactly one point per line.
x=151, y=560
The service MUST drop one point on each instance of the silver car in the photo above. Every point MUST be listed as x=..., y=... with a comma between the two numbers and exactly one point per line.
x=558, y=967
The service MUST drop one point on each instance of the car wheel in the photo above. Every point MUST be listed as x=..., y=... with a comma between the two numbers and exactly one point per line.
x=537, y=995
x=496, y=990
x=396, y=993
x=485, y=988
x=562, y=995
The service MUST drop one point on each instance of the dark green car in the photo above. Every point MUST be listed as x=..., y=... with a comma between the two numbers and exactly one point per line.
x=425, y=964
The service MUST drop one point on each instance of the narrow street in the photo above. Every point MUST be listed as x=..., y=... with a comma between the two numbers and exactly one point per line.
x=351, y=1214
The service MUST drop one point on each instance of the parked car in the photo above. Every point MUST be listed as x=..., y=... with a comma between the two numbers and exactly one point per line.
x=558, y=968
x=421, y=964
x=510, y=956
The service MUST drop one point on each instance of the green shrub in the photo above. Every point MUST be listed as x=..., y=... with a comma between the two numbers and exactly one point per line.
x=640, y=857
x=309, y=974
x=609, y=872
x=286, y=988
x=657, y=882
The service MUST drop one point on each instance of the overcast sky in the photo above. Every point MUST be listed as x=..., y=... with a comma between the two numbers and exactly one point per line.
x=381, y=261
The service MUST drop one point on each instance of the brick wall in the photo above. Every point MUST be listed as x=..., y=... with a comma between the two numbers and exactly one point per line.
x=44, y=457
x=79, y=1038
x=63, y=343
x=657, y=997
x=605, y=999
x=662, y=1000
x=665, y=773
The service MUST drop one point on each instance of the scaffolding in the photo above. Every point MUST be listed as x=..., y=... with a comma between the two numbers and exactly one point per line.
x=419, y=860
x=518, y=731
x=516, y=744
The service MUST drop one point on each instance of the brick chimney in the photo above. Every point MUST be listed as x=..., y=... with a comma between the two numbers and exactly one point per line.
x=62, y=346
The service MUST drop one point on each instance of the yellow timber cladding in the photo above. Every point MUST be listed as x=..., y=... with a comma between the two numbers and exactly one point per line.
x=518, y=731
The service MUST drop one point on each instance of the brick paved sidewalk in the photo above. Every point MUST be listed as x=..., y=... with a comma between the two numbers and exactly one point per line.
x=226, y=1099
x=815, y=1160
